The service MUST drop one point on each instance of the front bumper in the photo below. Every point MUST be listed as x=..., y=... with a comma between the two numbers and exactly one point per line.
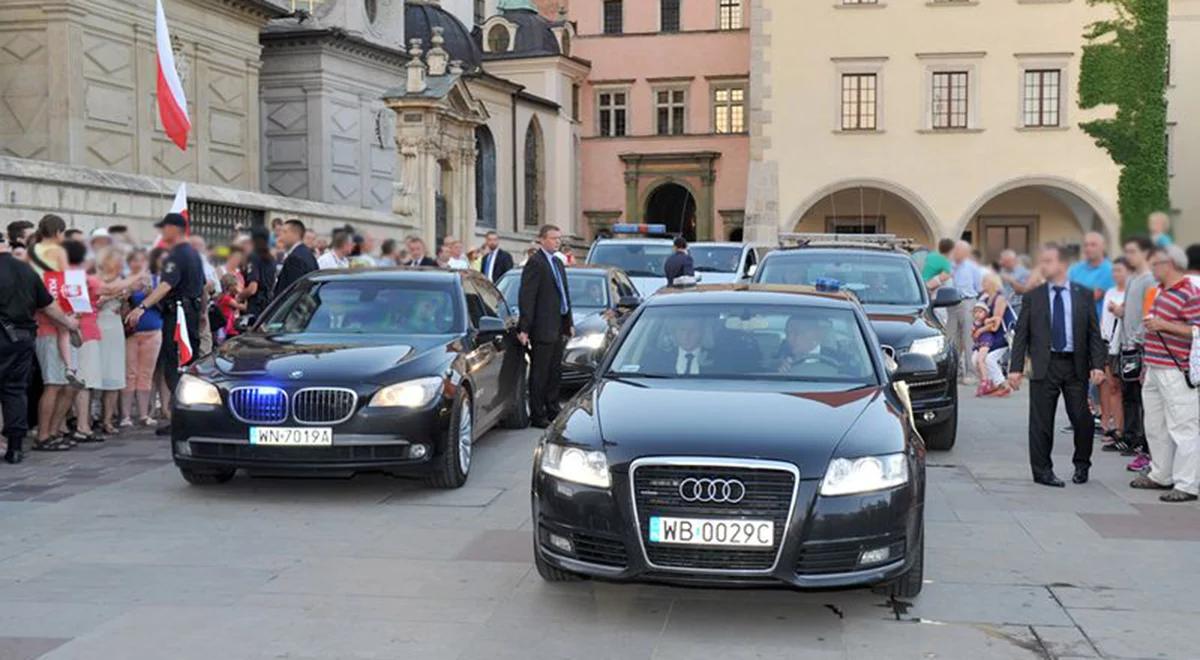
x=935, y=400
x=820, y=548
x=210, y=439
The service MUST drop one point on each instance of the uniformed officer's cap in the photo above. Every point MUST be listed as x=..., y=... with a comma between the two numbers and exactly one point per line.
x=260, y=232
x=173, y=219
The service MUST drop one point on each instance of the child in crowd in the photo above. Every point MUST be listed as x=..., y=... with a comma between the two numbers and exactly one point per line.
x=984, y=335
x=229, y=305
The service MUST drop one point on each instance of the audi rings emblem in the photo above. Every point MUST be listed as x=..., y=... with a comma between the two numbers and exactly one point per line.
x=715, y=491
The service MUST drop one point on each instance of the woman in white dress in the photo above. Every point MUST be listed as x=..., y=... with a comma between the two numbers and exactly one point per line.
x=113, y=294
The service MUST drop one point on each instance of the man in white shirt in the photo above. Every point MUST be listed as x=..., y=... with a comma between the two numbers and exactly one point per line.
x=338, y=254
x=689, y=358
x=457, y=261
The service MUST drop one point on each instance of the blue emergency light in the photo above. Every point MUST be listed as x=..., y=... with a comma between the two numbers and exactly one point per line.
x=639, y=229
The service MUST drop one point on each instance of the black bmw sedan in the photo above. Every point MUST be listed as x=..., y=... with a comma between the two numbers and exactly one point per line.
x=396, y=371
x=738, y=435
x=601, y=299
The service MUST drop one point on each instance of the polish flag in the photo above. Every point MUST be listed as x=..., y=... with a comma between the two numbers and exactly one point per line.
x=180, y=206
x=182, y=340
x=172, y=105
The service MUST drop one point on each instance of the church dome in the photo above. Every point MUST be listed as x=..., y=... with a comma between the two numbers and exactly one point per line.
x=421, y=16
x=534, y=36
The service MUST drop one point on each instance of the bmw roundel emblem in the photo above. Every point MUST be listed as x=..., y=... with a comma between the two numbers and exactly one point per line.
x=296, y=375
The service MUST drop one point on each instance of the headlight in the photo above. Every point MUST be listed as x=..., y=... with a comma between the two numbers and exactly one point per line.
x=847, y=476
x=409, y=394
x=193, y=391
x=931, y=346
x=574, y=464
x=591, y=342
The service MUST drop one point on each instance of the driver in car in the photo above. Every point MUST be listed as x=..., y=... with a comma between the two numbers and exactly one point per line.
x=424, y=319
x=804, y=345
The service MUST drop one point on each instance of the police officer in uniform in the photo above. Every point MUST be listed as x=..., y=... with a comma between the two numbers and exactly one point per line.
x=21, y=294
x=182, y=285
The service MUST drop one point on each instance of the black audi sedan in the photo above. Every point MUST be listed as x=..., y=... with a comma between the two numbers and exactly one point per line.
x=601, y=298
x=885, y=279
x=397, y=371
x=738, y=435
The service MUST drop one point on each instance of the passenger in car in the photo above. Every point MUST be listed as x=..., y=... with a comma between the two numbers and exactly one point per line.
x=689, y=357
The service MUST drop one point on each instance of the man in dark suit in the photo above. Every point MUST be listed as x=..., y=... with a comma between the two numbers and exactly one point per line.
x=1059, y=332
x=687, y=357
x=545, y=323
x=680, y=263
x=496, y=262
x=298, y=260
x=417, y=255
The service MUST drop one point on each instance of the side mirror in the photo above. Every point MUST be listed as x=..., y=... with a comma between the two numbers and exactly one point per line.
x=245, y=322
x=947, y=296
x=629, y=303
x=490, y=326
x=914, y=366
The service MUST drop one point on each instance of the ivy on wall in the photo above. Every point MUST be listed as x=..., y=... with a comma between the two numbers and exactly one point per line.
x=1124, y=64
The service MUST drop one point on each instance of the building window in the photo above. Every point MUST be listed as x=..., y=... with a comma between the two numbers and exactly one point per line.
x=498, y=39
x=669, y=15
x=575, y=101
x=1042, y=97
x=729, y=109
x=614, y=110
x=614, y=17
x=670, y=106
x=859, y=98
x=950, y=100
x=485, y=177
x=480, y=11
x=730, y=14
x=535, y=174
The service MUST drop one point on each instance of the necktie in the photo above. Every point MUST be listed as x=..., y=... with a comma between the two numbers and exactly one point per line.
x=564, y=307
x=687, y=367
x=1058, y=322
x=491, y=261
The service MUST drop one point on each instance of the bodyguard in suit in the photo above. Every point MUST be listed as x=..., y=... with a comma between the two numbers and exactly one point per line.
x=416, y=253
x=1059, y=332
x=545, y=324
x=496, y=262
x=680, y=263
x=298, y=260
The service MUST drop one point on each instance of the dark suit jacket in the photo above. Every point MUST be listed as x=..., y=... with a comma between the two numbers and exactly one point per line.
x=504, y=263
x=679, y=264
x=298, y=264
x=664, y=362
x=425, y=261
x=1033, y=334
x=539, y=302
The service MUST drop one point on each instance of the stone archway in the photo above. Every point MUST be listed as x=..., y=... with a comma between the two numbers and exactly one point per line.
x=672, y=204
x=865, y=206
x=1022, y=213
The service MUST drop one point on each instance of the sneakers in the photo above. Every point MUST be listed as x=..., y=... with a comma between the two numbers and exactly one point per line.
x=1139, y=464
x=125, y=422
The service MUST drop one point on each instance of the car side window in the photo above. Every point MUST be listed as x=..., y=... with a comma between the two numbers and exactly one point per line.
x=475, y=306
x=493, y=300
x=625, y=286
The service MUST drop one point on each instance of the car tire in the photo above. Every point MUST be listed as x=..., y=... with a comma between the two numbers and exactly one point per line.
x=448, y=470
x=909, y=584
x=942, y=437
x=206, y=478
x=518, y=417
x=552, y=573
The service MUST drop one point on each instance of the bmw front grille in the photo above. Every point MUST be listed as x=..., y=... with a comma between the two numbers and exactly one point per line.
x=258, y=405
x=323, y=405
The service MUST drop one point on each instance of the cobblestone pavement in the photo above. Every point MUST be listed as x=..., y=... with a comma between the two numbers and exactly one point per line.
x=107, y=553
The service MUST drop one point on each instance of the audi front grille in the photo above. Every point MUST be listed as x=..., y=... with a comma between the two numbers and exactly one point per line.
x=768, y=492
x=258, y=405
x=323, y=405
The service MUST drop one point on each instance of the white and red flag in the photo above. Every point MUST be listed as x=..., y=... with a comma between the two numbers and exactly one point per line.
x=180, y=206
x=182, y=340
x=172, y=104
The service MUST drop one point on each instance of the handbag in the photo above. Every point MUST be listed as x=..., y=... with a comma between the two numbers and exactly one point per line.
x=1187, y=374
x=1194, y=362
x=1130, y=364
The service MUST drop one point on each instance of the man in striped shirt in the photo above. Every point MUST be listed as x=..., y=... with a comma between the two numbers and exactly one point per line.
x=1172, y=407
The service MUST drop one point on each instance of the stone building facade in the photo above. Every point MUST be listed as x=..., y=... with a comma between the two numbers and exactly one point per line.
x=1183, y=130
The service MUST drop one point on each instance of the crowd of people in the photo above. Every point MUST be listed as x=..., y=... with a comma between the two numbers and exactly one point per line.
x=1115, y=336
x=104, y=355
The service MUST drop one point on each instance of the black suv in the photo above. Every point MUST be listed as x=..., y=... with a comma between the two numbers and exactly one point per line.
x=886, y=281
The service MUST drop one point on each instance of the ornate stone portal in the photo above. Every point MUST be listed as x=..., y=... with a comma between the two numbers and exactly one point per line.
x=436, y=118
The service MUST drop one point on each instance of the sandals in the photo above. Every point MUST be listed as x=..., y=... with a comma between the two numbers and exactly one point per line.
x=1146, y=483
x=1178, y=496
x=52, y=444
x=74, y=381
x=85, y=438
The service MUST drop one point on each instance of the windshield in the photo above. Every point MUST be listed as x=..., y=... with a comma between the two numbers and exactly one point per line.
x=784, y=342
x=636, y=259
x=589, y=290
x=875, y=279
x=362, y=307
x=723, y=259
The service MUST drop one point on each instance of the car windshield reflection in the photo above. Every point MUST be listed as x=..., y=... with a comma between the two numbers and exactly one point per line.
x=364, y=307
x=875, y=279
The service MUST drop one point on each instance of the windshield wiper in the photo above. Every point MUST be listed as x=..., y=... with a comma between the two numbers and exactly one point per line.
x=711, y=269
x=616, y=375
